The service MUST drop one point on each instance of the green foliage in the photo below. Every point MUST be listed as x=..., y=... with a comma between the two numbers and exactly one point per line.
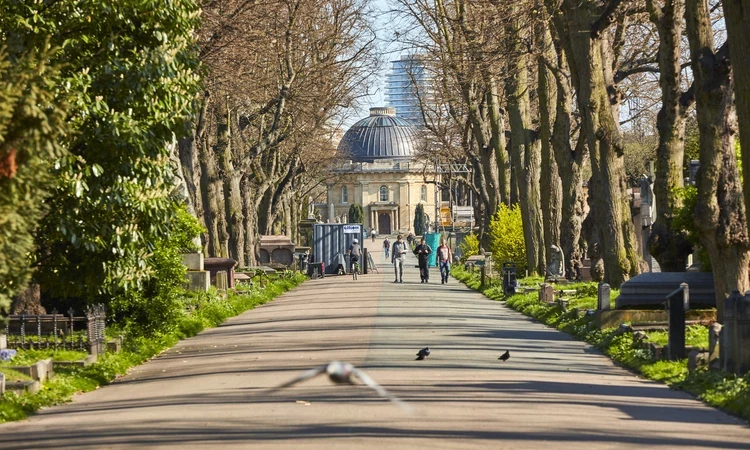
x=420, y=220
x=158, y=305
x=469, y=246
x=356, y=214
x=128, y=71
x=684, y=219
x=208, y=310
x=506, y=237
x=695, y=336
x=28, y=357
x=32, y=124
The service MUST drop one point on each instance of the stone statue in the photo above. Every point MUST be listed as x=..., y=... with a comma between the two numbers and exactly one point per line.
x=310, y=208
x=556, y=266
x=647, y=197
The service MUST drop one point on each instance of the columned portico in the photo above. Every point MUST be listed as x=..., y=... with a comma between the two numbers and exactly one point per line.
x=385, y=218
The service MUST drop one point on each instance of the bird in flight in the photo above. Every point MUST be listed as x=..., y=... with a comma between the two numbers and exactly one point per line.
x=505, y=356
x=422, y=354
x=343, y=373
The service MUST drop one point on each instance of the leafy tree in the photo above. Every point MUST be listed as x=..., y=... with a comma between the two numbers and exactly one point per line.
x=506, y=237
x=356, y=214
x=128, y=69
x=420, y=221
x=32, y=123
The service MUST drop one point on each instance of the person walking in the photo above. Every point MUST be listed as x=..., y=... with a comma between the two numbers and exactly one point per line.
x=423, y=256
x=398, y=257
x=373, y=233
x=387, y=248
x=444, y=257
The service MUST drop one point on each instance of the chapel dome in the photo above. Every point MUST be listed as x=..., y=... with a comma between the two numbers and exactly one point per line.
x=380, y=136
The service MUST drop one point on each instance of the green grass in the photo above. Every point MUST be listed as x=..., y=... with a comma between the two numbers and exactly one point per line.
x=209, y=310
x=695, y=336
x=28, y=357
x=726, y=391
x=12, y=375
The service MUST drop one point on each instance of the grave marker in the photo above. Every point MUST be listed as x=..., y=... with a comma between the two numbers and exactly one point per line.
x=602, y=297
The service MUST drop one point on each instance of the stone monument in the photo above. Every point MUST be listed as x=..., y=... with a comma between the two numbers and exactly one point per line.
x=556, y=267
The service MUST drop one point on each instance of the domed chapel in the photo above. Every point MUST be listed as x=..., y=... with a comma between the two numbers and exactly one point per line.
x=377, y=170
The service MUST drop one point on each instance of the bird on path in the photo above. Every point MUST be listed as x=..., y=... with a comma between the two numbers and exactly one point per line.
x=422, y=354
x=343, y=373
x=505, y=356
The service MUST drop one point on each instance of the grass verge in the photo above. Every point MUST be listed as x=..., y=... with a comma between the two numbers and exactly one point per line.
x=726, y=391
x=207, y=311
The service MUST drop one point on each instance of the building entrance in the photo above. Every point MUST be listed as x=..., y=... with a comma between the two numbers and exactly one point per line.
x=384, y=223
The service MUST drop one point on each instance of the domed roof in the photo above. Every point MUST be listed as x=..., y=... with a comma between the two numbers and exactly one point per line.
x=380, y=136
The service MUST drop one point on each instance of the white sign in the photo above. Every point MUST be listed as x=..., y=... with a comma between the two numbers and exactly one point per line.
x=352, y=229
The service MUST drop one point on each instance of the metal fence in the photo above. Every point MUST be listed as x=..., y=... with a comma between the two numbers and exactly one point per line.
x=59, y=331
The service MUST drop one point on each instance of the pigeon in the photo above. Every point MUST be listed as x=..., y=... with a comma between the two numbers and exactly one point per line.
x=343, y=373
x=422, y=354
x=505, y=356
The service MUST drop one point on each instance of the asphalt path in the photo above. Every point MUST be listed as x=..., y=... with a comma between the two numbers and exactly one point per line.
x=212, y=391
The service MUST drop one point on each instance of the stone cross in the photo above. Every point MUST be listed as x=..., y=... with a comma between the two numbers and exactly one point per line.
x=602, y=296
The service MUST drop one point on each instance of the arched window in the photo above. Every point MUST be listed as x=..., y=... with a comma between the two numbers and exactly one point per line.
x=383, y=193
x=344, y=195
x=423, y=194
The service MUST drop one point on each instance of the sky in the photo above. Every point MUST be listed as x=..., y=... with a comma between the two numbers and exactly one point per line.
x=387, y=54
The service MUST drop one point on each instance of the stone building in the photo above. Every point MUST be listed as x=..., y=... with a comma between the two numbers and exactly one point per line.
x=377, y=170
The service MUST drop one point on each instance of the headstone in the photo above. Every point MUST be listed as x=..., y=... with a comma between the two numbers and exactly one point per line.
x=547, y=294
x=677, y=304
x=735, y=341
x=652, y=288
x=3, y=341
x=714, y=346
x=602, y=296
x=193, y=261
x=221, y=281
x=198, y=280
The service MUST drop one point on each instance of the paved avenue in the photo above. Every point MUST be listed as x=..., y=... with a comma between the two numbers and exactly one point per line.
x=211, y=391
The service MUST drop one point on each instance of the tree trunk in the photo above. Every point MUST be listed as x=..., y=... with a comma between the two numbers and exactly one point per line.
x=737, y=18
x=550, y=182
x=669, y=246
x=525, y=157
x=610, y=203
x=252, y=249
x=231, y=186
x=720, y=211
x=569, y=163
x=211, y=193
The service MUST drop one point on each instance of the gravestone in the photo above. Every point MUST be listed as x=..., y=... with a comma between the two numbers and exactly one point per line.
x=197, y=278
x=714, y=345
x=602, y=297
x=3, y=341
x=735, y=340
x=547, y=294
x=221, y=281
x=652, y=288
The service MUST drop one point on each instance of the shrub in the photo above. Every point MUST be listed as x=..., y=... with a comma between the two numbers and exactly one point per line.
x=356, y=214
x=506, y=237
x=469, y=246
